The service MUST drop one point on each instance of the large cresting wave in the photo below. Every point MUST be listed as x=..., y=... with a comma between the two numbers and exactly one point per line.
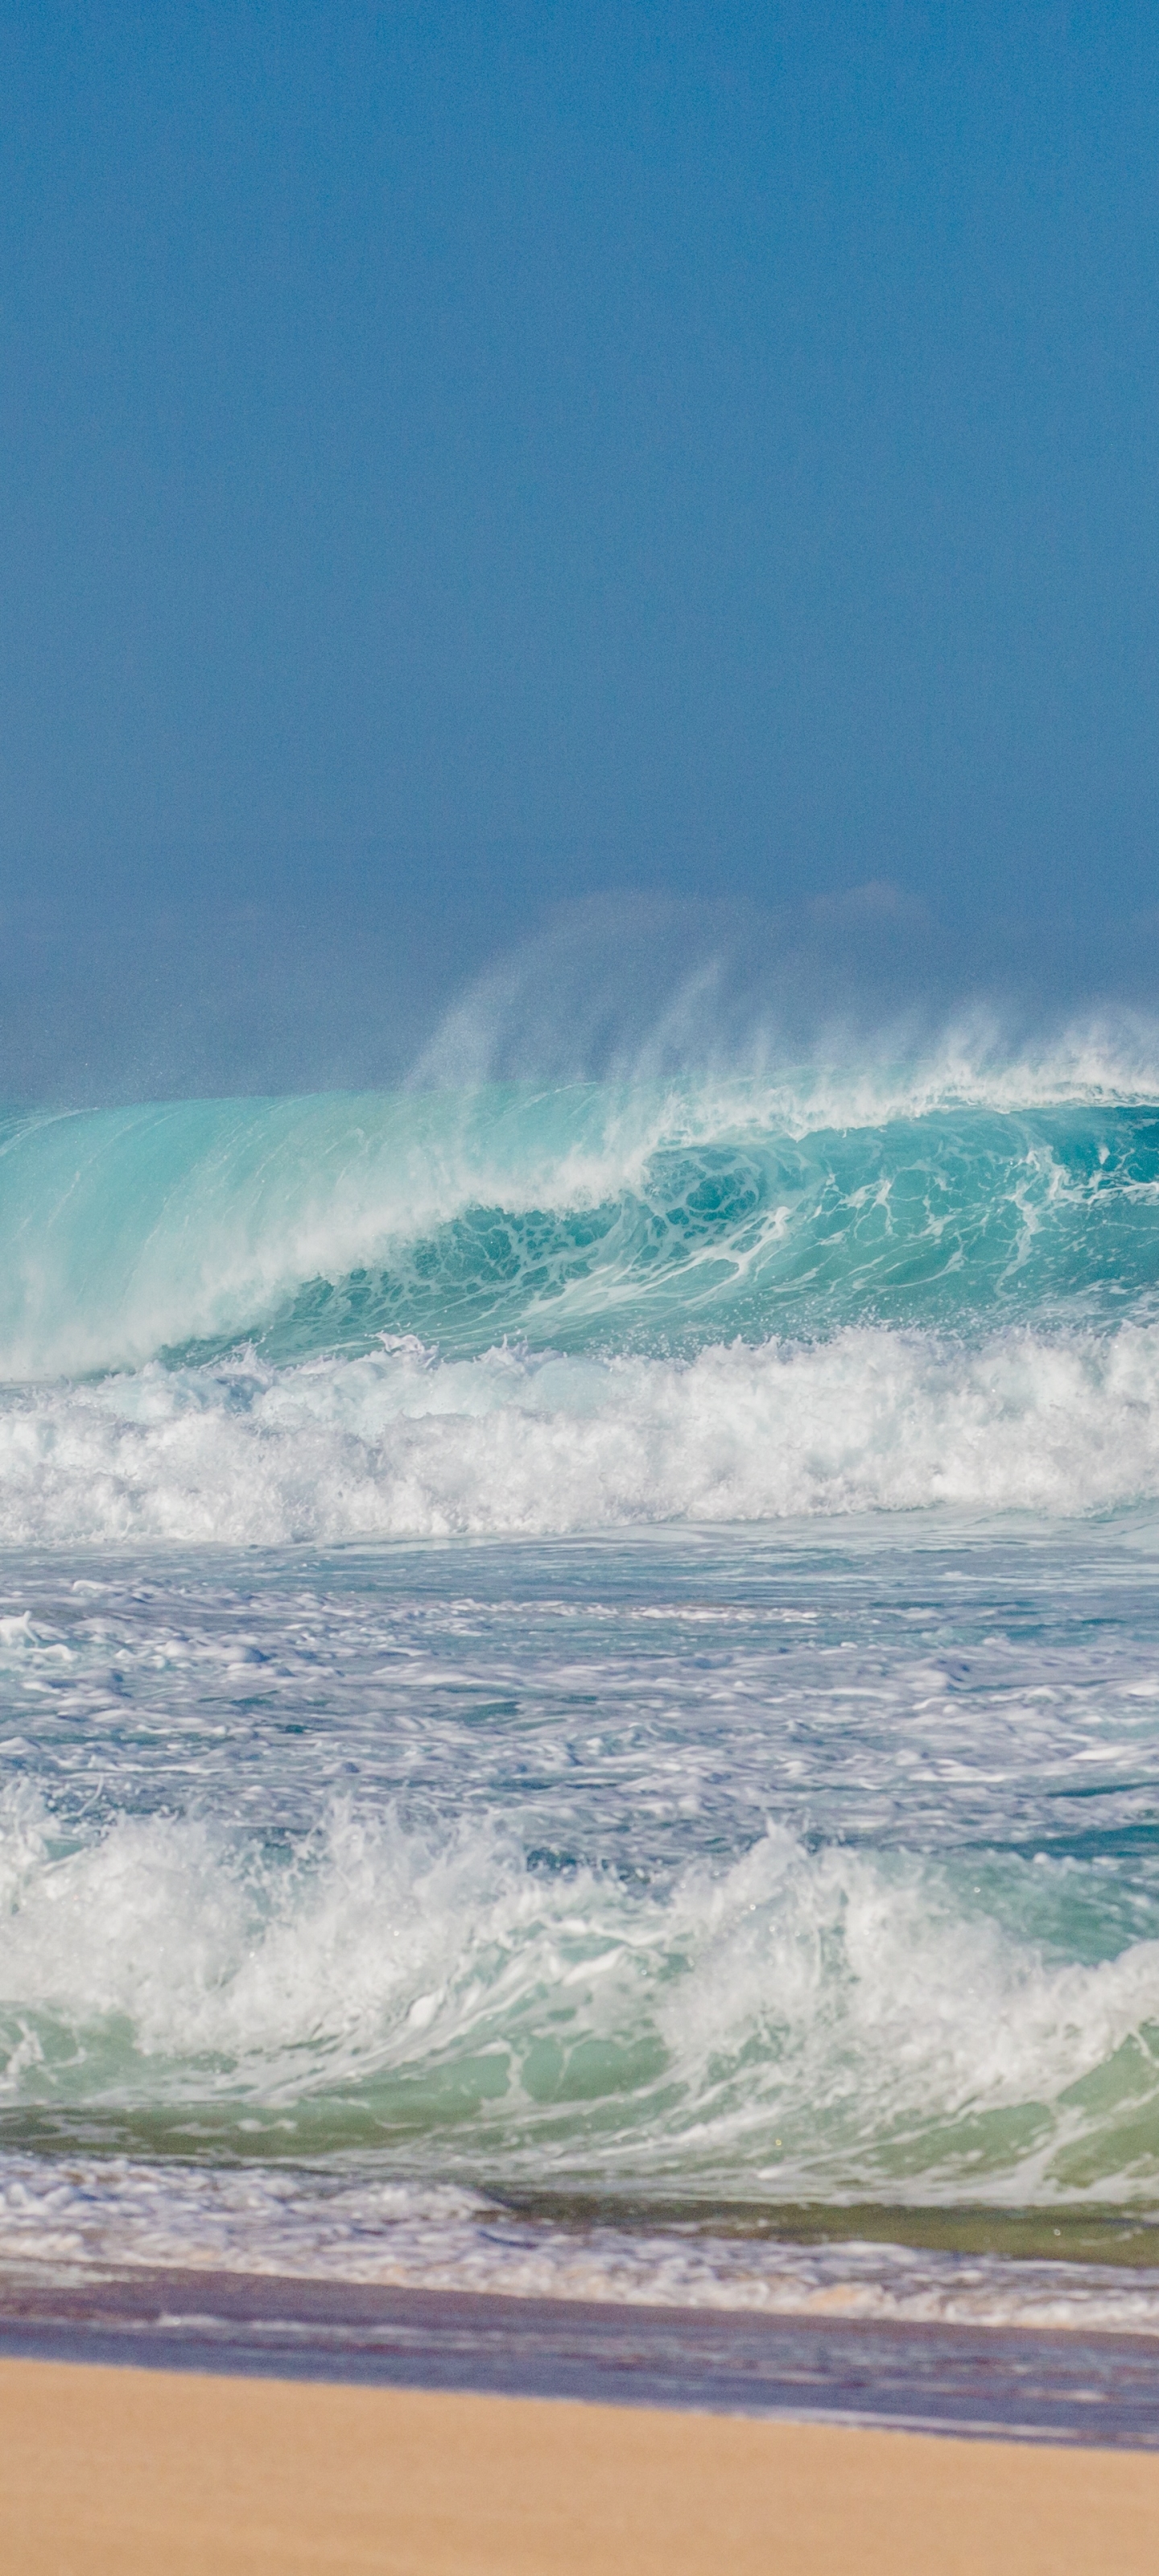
x=529, y=1309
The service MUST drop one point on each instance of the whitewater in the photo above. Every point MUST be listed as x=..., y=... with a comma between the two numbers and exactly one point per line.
x=579, y=1687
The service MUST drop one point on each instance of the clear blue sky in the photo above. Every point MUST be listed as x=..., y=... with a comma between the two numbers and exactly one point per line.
x=460, y=461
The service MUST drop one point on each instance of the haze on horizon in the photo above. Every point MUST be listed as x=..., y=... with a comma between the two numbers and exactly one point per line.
x=662, y=484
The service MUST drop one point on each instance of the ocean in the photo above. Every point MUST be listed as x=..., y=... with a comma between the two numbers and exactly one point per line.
x=580, y=1691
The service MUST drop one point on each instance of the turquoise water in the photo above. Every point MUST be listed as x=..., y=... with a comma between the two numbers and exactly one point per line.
x=592, y=1649
x=596, y=1218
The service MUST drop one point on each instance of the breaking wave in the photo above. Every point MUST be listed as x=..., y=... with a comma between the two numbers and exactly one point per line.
x=792, y=2024
x=399, y=1443
x=588, y=1217
x=543, y=1310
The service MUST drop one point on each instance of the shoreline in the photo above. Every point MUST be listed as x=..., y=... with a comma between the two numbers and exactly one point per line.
x=1060, y=2386
x=121, y=2471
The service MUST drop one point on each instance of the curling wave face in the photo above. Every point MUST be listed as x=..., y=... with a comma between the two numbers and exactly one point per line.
x=592, y=1217
x=334, y=1318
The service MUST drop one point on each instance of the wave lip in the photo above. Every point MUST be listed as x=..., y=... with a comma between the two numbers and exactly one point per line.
x=544, y=1311
x=594, y=1215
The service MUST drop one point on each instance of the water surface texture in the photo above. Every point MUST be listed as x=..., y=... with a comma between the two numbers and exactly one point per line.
x=579, y=1676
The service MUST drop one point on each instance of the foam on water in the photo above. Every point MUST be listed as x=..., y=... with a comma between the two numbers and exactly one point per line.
x=788, y=2023
x=78, y=2217
x=399, y=1443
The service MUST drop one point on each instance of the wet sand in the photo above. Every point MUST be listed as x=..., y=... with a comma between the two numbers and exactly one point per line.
x=117, y=2471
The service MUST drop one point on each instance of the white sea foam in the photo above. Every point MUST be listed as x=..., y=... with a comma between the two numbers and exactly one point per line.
x=794, y=2024
x=400, y=1444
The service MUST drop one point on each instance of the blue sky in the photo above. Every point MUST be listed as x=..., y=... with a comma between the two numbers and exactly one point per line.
x=689, y=463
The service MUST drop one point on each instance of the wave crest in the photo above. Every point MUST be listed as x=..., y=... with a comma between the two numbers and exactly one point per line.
x=793, y=2021
x=647, y=1216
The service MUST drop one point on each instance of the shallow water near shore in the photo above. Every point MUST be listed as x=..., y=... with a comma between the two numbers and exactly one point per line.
x=709, y=1891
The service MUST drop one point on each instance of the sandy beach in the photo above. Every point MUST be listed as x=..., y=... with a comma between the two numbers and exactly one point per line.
x=120, y=2472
